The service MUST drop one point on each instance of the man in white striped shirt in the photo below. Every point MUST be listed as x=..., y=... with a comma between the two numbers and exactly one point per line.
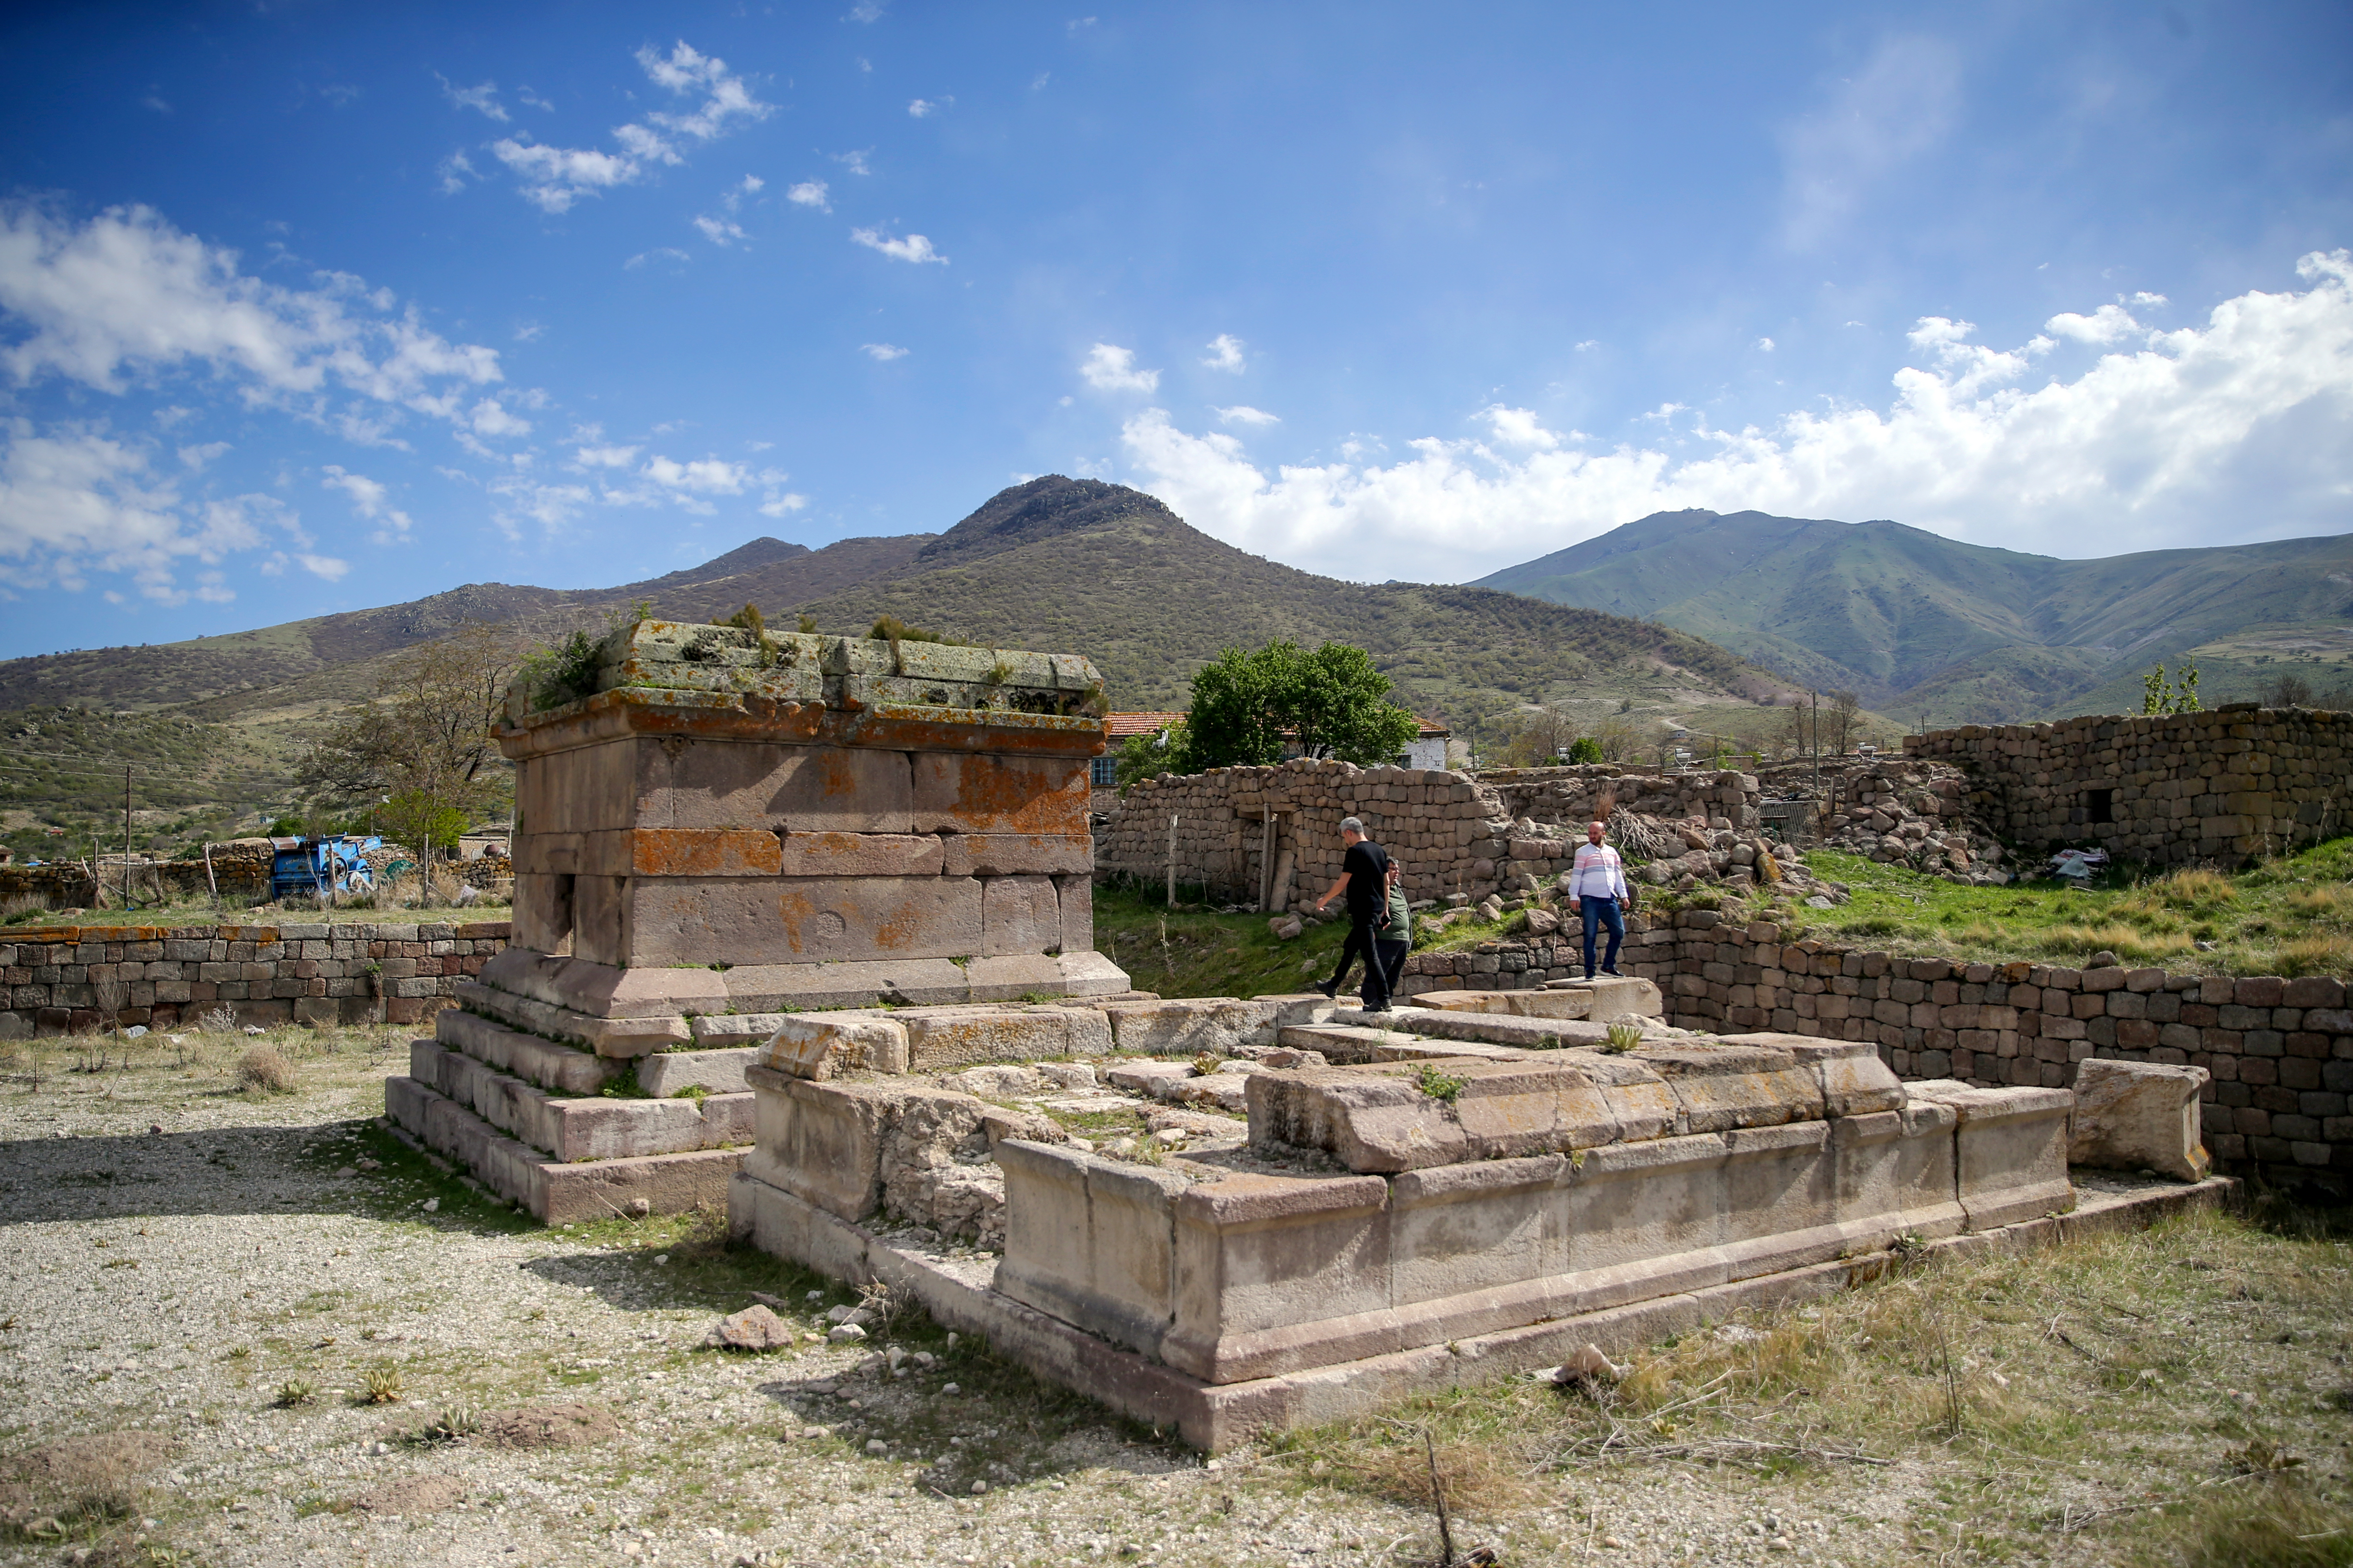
x=1597, y=889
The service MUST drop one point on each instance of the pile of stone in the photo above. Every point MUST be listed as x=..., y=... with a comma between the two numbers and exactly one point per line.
x=1906, y=812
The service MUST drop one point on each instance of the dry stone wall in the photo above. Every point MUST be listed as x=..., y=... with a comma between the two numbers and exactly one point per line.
x=1451, y=832
x=172, y=975
x=2227, y=786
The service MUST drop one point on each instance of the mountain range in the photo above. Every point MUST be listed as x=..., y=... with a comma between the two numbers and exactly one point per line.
x=1056, y=565
x=1922, y=626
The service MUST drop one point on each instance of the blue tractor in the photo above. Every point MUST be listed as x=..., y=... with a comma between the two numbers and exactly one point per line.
x=320, y=868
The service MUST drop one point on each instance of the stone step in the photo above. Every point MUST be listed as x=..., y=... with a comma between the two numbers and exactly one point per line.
x=561, y=1069
x=556, y=1192
x=582, y=1129
x=1356, y=1044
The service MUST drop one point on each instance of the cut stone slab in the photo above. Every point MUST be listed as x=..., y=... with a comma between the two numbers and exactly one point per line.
x=1723, y=1086
x=1219, y=1024
x=1383, y=1120
x=621, y=1038
x=909, y=982
x=1144, y=1078
x=944, y=1037
x=1089, y=973
x=605, y=990
x=2138, y=1116
x=1854, y=1081
x=571, y=1130
x=1487, y=1028
x=2011, y=1149
x=669, y=1073
x=1012, y=976
x=553, y=1191
x=818, y=1046
x=559, y=1068
x=1602, y=1000
x=999, y=1082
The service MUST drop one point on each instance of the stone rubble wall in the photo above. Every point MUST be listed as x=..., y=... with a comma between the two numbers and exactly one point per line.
x=240, y=867
x=2279, y=1051
x=1450, y=832
x=2228, y=786
x=348, y=973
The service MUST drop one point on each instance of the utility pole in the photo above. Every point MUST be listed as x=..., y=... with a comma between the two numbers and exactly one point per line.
x=1818, y=745
x=126, y=835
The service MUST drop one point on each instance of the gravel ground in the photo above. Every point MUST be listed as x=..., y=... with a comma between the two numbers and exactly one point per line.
x=217, y=1274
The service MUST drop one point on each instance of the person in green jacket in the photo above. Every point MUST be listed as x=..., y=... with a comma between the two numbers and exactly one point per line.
x=1396, y=938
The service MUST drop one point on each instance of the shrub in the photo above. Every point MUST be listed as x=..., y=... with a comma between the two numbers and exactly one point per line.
x=266, y=1068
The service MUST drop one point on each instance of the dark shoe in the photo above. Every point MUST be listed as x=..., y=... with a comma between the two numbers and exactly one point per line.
x=1613, y=974
x=1376, y=1007
x=1329, y=987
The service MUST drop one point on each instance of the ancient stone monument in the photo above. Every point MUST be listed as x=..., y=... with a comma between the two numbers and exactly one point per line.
x=717, y=824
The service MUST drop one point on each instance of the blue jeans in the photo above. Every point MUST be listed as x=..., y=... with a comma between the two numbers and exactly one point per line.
x=1602, y=912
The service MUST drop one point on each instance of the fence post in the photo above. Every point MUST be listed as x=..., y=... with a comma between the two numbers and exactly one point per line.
x=1172, y=862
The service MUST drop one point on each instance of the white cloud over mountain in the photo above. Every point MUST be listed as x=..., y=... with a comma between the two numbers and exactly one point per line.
x=553, y=178
x=2248, y=416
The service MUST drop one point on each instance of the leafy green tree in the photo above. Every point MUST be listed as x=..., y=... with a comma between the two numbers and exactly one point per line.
x=1330, y=703
x=1142, y=757
x=1586, y=749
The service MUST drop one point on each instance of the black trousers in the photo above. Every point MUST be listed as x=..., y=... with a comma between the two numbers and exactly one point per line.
x=1360, y=944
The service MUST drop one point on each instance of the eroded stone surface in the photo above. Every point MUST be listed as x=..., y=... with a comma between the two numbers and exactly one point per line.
x=2138, y=1116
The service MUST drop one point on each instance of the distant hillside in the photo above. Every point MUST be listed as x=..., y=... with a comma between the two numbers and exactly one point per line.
x=1919, y=623
x=1112, y=572
x=1057, y=563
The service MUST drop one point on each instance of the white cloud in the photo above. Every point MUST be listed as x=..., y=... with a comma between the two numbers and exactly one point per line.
x=1765, y=345
x=924, y=107
x=1109, y=368
x=1225, y=353
x=882, y=352
x=128, y=295
x=76, y=500
x=868, y=11
x=2108, y=324
x=666, y=253
x=534, y=100
x=525, y=500
x=198, y=459
x=1243, y=413
x=2174, y=442
x=367, y=495
x=1900, y=105
x=914, y=247
x=491, y=419
x=553, y=178
x=700, y=476
x=854, y=162
x=155, y=103
x=783, y=505
x=1589, y=345
x=483, y=99
x=809, y=194
x=608, y=456
x=455, y=170
x=2146, y=299
x=720, y=231
x=1519, y=427
x=326, y=566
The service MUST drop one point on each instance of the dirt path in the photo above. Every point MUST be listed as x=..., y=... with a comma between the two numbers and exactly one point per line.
x=215, y=1275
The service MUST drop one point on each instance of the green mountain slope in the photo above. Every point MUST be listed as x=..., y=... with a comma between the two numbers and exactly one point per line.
x=1112, y=572
x=1920, y=624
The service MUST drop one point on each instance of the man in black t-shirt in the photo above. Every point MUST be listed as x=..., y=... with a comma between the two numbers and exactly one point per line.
x=1365, y=875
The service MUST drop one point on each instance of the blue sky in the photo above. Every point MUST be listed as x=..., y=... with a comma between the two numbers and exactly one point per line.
x=306, y=307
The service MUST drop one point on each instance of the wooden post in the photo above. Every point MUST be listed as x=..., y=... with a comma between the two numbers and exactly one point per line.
x=126, y=835
x=210, y=881
x=1172, y=862
x=1266, y=866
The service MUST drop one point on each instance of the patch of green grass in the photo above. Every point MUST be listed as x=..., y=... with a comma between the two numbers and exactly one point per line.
x=1193, y=951
x=2289, y=916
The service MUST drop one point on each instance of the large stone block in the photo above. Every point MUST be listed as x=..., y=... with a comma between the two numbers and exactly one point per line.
x=1459, y=1230
x=1091, y=974
x=862, y=855
x=821, y=1143
x=619, y=1037
x=1018, y=914
x=939, y=1038
x=1077, y=896
x=581, y=790
x=561, y=1069
x=902, y=981
x=1013, y=976
x=1854, y=1081
x=1018, y=855
x=1372, y=1120
x=2138, y=1116
x=821, y=1046
x=1090, y=1241
x=605, y=990
x=2011, y=1149
x=1724, y=1086
x=717, y=1071
x=1187, y=1027
x=1275, y=1273
x=685, y=920
x=977, y=793
x=802, y=789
